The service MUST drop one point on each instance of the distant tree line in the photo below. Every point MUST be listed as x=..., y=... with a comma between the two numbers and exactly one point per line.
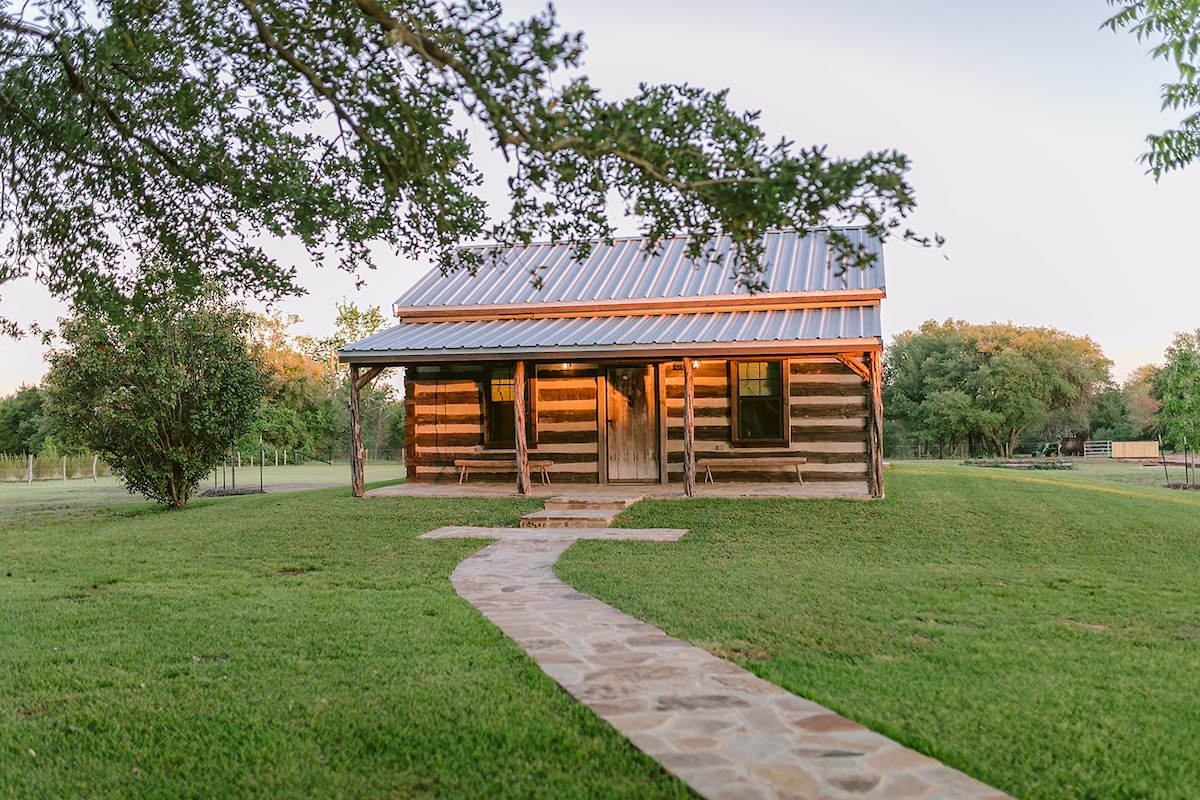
x=190, y=382
x=957, y=388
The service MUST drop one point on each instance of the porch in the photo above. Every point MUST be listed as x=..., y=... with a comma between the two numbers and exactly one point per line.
x=652, y=491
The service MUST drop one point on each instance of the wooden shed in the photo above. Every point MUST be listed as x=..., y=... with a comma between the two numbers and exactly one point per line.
x=635, y=367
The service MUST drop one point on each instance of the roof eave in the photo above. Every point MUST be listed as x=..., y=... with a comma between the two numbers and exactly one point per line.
x=633, y=352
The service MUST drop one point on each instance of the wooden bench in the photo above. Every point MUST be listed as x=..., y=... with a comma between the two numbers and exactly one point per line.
x=465, y=465
x=740, y=463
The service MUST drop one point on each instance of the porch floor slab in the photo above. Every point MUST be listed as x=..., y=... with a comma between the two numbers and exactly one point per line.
x=650, y=491
x=727, y=733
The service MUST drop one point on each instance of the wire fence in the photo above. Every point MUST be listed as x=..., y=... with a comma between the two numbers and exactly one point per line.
x=285, y=457
x=29, y=468
x=26, y=468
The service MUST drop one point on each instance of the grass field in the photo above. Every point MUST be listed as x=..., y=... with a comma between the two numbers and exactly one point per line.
x=82, y=493
x=1040, y=631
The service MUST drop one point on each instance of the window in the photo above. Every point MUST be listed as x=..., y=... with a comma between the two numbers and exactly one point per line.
x=499, y=416
x=760, y=402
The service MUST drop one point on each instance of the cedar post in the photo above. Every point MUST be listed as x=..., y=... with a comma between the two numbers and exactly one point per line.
x=689, y=430
x=875, y=425
x=357, y=454
x=357, y=480
x=521, y=446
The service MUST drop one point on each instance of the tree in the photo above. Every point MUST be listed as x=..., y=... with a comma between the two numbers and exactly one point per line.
x=351, y=325
x=1174, y=27
x=189, y=131
x=160, y=396
x=1143, y=399
x=1180, y=383
x=955, y=383
x=1110, y=417
x=23, y=426
x=307, y=403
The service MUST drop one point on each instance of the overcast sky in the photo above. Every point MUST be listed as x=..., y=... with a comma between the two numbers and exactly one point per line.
x=1023, y=120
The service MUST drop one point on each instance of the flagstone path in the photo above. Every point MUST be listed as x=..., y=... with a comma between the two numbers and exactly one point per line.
x=727, y=733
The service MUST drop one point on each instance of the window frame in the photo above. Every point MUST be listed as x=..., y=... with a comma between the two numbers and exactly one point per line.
x=735, y=402
x=489, y=405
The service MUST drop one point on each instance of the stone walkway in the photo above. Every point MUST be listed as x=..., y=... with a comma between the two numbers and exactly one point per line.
x=725, y=732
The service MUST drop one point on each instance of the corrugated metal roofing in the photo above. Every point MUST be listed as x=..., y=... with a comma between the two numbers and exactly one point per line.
x=624, y=271
x=528, y=336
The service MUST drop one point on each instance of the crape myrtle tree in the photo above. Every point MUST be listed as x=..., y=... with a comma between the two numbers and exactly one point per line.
x=160, y=395
x=194, y=131
x=1173, y=28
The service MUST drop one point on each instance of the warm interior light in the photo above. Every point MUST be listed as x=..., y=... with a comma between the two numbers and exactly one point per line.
x=695, y=364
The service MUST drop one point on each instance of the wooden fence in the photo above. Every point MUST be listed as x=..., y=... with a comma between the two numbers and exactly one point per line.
x=1135, y=449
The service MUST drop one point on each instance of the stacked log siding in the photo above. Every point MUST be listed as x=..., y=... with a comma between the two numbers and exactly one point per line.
x=829, y=409
x=444, y=422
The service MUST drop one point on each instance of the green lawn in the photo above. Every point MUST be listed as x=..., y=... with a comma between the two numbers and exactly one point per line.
x=1040, y=631
x=290, y=645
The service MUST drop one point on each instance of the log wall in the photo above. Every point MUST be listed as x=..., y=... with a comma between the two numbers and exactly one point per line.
x=443, y=410
x=829, y=426
x=829, y=410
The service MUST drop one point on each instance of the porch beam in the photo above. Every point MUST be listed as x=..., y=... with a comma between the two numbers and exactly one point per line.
x=371, y=374
x=689, y=429
x=521, y=445
x=857, y=367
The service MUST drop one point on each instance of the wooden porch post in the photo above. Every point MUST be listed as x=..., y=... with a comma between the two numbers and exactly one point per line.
x=689, y=429
x=875, y=425
x=357, y=481
x=357, y=460
x=521, y=446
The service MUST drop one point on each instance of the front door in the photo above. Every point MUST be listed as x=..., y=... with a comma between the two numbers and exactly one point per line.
x=632, y=425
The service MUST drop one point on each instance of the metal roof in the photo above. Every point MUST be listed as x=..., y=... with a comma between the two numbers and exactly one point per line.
x=610, y=336
x=554, y=321
x=624, y=270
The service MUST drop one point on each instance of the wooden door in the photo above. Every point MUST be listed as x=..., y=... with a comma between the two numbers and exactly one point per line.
x=632, y=425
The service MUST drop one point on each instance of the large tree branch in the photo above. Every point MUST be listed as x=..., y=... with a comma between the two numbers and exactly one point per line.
x=318, y=85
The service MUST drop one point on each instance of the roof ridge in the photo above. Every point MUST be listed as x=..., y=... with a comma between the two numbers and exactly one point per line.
x=633, y=238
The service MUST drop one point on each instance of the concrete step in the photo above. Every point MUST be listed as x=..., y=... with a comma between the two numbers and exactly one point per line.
x=582, y=501
x=570, y=518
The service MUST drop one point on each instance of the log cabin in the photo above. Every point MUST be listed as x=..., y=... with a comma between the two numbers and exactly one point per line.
x=628, y=366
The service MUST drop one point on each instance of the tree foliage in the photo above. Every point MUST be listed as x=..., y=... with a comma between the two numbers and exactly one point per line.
x=189, y=131
x=307, y=405
x=1173, y=26
x=956, y=383
x=1179, y=383
x=23, y=425
x=1142, y=394
x=160, y=397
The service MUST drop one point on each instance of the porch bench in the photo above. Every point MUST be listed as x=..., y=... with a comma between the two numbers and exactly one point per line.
x=465, y=465
x=739, y=463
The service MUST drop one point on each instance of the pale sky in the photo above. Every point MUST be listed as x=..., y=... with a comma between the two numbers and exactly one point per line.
x=1023, y=121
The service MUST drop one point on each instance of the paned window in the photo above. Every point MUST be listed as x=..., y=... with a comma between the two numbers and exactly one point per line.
x=499, y=429
x=760, y=402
